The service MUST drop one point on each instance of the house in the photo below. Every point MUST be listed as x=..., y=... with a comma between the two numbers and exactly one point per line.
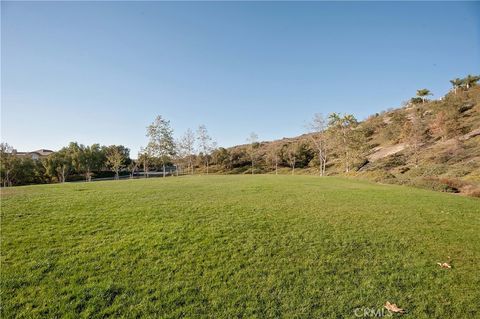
x=35, y=155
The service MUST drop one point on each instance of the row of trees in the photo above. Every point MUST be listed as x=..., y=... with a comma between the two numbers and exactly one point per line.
x=74, y=159
x=163, y=147
x=458, y=84
x=338, y=140
x=464, y=83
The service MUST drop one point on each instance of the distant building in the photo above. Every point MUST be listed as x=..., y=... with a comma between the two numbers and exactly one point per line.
x=35, y=155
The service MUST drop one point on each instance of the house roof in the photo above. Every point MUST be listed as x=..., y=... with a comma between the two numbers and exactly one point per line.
x=43, y=152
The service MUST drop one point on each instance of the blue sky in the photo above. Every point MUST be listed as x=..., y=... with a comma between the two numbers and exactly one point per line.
x=101, y=71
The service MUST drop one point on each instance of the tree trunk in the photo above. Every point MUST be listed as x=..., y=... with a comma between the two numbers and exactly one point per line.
x=145, y=169
x=163, y=165
x=207, y=165
x=320, y=159
x=324, y=163
x=276, y=166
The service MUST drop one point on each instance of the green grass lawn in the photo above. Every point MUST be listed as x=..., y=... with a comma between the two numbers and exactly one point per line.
x=237, y=246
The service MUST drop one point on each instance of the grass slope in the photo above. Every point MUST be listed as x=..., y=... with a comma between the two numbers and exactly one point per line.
x=237, y=246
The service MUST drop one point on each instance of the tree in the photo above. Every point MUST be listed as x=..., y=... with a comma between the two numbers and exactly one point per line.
x=16, y=170
x=132, y=167
x=187, y=146
x=414, y=133
x=144, y=157
x=252, y=140
x=161, y=143
x=221, y=156
x=273, y=157
x=319, y=139
x=345, y=136
x=116, y=158
x=59, y=164
x=90, y=158
x=8, y=162
x=205, y=143
x=456, y=84
x=74, y=152
x=292, y=156
x=423, y=93
x=471, y=80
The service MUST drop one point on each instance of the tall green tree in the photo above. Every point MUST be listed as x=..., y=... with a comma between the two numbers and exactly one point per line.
x=161, y=143
x=8, y=163
x=117, y=157
x=91, y=158
x=59, y=165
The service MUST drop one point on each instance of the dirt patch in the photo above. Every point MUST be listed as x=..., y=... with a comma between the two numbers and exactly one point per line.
x=381, y=152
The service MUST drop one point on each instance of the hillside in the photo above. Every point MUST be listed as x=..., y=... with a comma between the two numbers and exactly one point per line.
x=435, y=145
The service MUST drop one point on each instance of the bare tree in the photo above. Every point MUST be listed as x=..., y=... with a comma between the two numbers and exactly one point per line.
x=187, y=147
x=161, y=141
x=343, y=128
x=414, y=133
x=205, y=143
x=144, y=157
x=132, y=167
x=252, y=140
x=318, y=128
x=273, y=157
x=292, y=156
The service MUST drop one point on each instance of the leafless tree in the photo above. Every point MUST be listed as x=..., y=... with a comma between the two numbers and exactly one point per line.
x=205, y=143
x=318, y=128
x=292, y=156
x=252, y=140
x=186, y=145
x=144, y=157
x=273, y=157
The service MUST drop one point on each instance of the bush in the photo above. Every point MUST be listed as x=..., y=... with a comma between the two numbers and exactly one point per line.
x=438, y=184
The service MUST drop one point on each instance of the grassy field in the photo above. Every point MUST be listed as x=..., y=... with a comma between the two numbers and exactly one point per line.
x=237, y=246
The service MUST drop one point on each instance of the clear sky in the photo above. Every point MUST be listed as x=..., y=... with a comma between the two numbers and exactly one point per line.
x=101, y=71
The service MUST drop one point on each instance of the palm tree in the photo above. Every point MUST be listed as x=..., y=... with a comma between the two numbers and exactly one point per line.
x=456, y=83
x=471, y=80
x=423, y=93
